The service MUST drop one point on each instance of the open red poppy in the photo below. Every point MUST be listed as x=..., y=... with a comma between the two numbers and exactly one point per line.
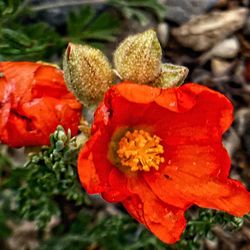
x=33, y=101
x=159, y=151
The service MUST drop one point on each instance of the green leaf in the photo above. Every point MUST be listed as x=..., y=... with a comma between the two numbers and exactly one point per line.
x=32, y=42
x=11, y=7
x=77, y=21
x=140, y=9
x=87, y=25
x=16, y=38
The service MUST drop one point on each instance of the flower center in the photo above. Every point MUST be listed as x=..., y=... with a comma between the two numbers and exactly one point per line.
x=139, y=150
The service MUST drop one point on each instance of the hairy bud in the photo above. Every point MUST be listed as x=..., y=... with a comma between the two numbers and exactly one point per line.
x=171, y=76
x=87, y=73
x=138, y=58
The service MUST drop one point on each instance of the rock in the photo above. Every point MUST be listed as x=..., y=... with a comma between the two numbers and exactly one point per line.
x=242, y=121
x=247, y=71
x=227, y=49
x=246, y=30
x=220, y=67
x=25, y=236
x=221, y=3
x=180, y=11
x=203, y=32
x=163, y=33
x=200, y=75
x=231, y=142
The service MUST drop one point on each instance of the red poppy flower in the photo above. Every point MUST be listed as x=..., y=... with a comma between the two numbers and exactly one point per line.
x=33, y=101
x=159, y=151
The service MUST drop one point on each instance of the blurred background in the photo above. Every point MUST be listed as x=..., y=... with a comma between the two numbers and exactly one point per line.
x=210, y=37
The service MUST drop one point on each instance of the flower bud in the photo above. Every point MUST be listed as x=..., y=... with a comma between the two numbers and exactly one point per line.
x=87, y=73
x=138, y=58
x=171, y=76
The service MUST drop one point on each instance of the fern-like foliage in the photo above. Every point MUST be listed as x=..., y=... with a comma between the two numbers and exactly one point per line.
x=51, y=180
x=24, y=37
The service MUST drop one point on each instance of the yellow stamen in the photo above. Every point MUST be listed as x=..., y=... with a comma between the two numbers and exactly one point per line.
x=140, y=151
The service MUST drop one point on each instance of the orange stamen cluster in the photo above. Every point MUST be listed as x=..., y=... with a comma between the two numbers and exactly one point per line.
x=140, y=151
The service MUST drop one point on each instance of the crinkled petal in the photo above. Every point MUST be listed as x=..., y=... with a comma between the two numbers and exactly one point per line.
x=205, y=122
x=193, y=122
x=48, y=82
x=165, y=221
x=209, y=192
x=118, y=186
x=93, y=165
x=202, y=161
x=33, y=101
x=20, y=75
x=4, y=116
x=19, y=131
x=178, y=99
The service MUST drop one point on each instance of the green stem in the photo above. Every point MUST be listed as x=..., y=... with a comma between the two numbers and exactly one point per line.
x=62, y=4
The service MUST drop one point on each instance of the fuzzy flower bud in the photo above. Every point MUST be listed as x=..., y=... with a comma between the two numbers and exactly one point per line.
x=87, y=73
x=138, y=58
x=171, y=76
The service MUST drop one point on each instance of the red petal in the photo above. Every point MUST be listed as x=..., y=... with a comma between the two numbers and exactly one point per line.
x=137, y=93
x=97, y=174
x=209, y=192
x=48, y=82
x=200, y=160
x=93, y=165
x=33, y=101
x=203, y=123
x=5, y=102
x=179, y=99
x=117, y=190
x=230, y=196
x=165, y=221
x=20, y=75
x=15, y=132
x=193, y=122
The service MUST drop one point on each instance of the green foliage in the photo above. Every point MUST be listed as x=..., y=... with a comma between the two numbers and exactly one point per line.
x=86, y=25
x=121, y=232
x=8, y=8
x=30, y=42
x=7, y=210
x=20, y=40
x=7, y=195
x=23, y=37
x=200, y=227
x=52, y=175
x=140, y=9
x=110, y=233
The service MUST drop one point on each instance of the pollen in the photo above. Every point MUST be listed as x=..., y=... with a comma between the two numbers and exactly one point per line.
x=139, y=150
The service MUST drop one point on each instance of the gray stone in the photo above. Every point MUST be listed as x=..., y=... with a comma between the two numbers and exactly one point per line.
x=220, y=67
x=163, y=33
x=204, y=31
x=227, y=49
x=180, y=11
